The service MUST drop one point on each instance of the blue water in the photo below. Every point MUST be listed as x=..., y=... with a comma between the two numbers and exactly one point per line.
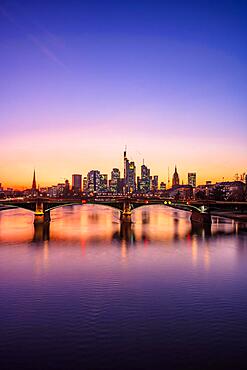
x=89, y=294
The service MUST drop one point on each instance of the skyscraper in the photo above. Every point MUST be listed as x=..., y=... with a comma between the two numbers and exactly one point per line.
x=126, y=172
x=93, y=181
x=155, y=184
x=66, y=188
x=129, y=175
x=162, y=186
x=76, y=182
x=114, y=182
x=192, y=179
x=103, y=183
x=144, y=182
x=84, y=183
x=175, y=178
x=132, y=177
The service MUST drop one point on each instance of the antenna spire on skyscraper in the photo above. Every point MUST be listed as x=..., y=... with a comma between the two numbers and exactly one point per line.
x=125, y=151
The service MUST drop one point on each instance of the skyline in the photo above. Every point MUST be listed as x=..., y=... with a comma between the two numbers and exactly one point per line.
x=138, y=170
x=79, y=81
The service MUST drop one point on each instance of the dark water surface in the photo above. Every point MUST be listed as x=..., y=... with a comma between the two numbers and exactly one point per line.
x=88, y=293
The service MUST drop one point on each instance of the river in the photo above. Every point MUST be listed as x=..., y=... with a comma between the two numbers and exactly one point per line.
x=89, y=293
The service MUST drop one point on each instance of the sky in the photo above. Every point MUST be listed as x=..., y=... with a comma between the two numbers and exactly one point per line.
x=82, y=79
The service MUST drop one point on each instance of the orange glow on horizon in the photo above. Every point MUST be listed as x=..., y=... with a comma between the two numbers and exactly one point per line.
x=66, y=153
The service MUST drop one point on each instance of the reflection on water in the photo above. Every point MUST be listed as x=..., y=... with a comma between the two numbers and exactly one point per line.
x=96, y=224
x=88, y=290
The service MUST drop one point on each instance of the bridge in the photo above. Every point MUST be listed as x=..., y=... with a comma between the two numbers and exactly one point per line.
x=201, y=210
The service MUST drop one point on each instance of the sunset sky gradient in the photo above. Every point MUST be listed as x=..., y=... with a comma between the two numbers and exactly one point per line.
x=80, y=79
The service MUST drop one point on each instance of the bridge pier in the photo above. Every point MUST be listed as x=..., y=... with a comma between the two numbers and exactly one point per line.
x=202, y=218
x=126, y=213
x=41, y=216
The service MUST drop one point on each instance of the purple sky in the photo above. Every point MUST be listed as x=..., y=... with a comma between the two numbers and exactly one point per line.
x=79, y=80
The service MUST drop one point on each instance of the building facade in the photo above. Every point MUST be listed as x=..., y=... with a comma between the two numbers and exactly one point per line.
x=192, y=179
x=114, y=181
x=76, y=182
x=175, y=178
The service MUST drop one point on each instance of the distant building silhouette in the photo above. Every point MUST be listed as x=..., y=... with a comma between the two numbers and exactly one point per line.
x=175, y=178
x=76, y=182
x=192, y=179
x=34, y=186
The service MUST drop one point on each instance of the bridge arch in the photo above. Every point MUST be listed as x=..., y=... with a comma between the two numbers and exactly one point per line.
x=7, y=207
x=83, y=204
x=176, y=206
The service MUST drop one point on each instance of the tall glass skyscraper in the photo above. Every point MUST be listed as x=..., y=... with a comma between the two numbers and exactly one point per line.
x=129, y=175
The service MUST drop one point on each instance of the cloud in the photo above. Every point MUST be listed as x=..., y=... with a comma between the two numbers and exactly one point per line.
x=41, y=45
x=45, y=50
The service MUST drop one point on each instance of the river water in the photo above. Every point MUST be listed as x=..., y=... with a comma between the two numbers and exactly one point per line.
x=88, y=293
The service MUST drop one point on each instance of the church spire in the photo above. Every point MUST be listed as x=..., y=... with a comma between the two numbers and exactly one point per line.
x=34, y=181
x=175, y=178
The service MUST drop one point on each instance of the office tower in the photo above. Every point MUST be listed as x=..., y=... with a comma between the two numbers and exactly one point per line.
x=155, y=184
x=66, y=188
x=67, y=185
x=129, y=175
x=121, y=186
x=192, y=179
x=138, y=183
x=126, y=172
x=162, y=186
x=60, y=189
x=93, y=181
x=76, y=182
x=115, y=179
x=84, y=184
x=175, y=178
x=144, y=181
x=103, y=183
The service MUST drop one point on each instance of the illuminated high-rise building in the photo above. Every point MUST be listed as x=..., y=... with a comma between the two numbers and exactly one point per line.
x=126, y=172
x=93, y=181
x=162, y=186
x=129, y=175
x=155, y=184
x=76, y=182
x=115, y=179
x=192, y=179
x=132, y=177
x=84, y=184
x=103, y=183
x=144, y=181
x=175, y=178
